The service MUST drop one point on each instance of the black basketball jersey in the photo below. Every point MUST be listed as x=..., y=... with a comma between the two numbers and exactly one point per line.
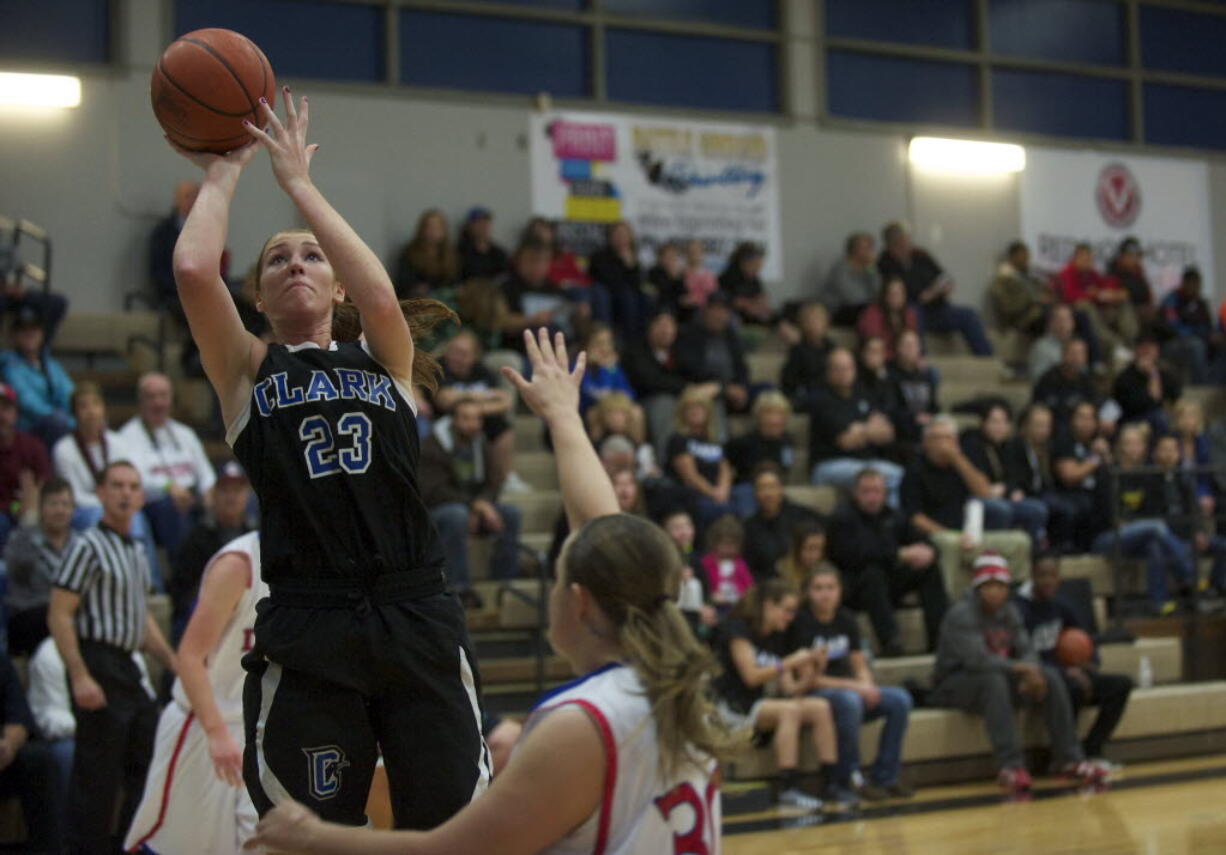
x=330, y=445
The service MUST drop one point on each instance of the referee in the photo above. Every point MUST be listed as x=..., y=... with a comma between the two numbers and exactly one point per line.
x=98, y=617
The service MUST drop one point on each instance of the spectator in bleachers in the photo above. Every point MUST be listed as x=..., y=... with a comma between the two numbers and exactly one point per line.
x=741, y=281
x=854, y=281
x=768, y=440
x=708, y=350
x=1020, y=296
x=846, y=433
x=824, y=625
x=27, y=767
x=1187, y=315
x=1046, y=615
x=226, y=519
x=991, y=450
x=168, y=454
x=692, y=597
x=929, y=288
x=1032, y=474
x=162, y=249
x=679, y=527
x=1177, y=489
x=565, y=270
x=888, y=316
x=1101, y=298
x=480, y=256
x=42, y=385
x=461, y=490
x=80, y=457
x=727, y=574
x=804, y=372
x=466, y=376
x=651, y=368
x=806, y=554
x=985, y=663
x=1067, y=384
x=1135, y=522
x=768, y=531
x=429, y=263
x=32, y=559
x=1079, y=460
x=877, y=384
x=618, y=461
x=700, y=283
x=23, y=466
x=616, y=268
x=667, y=276
x=1126, y=269
x=1047, y=351
x=883, y=557
x=1144, y=387
x=616, y=417
x=695, y=459
x=916, y=382
x=604, y=374
x=1194, y=453
x=532, y=301
x=762, y=685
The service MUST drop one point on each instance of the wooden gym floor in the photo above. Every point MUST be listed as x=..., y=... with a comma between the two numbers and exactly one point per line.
x=1166, y=808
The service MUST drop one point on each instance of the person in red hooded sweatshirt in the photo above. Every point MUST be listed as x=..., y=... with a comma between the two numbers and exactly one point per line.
x=1102, y=298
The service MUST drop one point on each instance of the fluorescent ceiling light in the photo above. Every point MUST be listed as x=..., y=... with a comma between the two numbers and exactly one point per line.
x=967, y=156
x=39, y=90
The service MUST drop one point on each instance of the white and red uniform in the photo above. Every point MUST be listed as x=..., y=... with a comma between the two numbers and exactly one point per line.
x=641, y=811
x=186, y=807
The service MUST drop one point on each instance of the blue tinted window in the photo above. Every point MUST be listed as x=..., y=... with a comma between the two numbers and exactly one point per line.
x=1090, y=31
x=1172, y=40
x=1060, y=104
x=1180, y=115
x=943, y=23
x=743, y=13
x=893, y=89
x=688, y=71
x=569, y=5
x=36, y=30
x=301, y=38
x=493, y=54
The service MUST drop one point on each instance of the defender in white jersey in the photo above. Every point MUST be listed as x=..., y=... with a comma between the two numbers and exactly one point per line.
x=194, y=797
x=619, y=762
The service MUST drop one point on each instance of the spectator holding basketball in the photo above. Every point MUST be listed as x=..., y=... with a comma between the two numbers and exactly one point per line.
x=1046, y=616
x=768, y=531
x=888, y=316
x=42, y=386
x=824, y=625
x=429, y=263
x=986, y=664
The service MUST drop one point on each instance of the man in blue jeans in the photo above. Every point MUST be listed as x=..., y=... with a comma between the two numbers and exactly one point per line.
x=847, y=683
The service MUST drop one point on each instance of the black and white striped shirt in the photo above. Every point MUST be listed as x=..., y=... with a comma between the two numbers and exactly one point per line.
x=111, y=574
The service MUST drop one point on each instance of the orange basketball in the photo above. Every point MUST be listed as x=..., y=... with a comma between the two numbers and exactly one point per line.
x=205, y=84
x=1074, y=648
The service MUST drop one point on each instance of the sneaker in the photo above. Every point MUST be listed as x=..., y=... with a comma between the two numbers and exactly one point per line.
x=1113, y=770
x=470, y=599
x=1089, y=774
x=838, y=797
x=874, y=793
x=797, y=798
x=514, y=484
x=1015, y=783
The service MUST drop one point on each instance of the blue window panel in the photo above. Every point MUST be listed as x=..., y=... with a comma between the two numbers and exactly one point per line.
x=565, y=5
x=691, y=71
x=894, y=89
x=1064, y=105
x=36, y=30
x=493, y=54
x=759, y=14
x=301, y=38
x=941, y=23
x=1173, y=40
x=1087, y=31
x=1181, y=115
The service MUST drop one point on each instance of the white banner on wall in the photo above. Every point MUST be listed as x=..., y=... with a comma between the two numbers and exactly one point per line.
x=670, y=179
x=1102, y=197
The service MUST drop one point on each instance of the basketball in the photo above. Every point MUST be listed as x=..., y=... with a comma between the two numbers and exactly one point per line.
x=1074, y=648
x=205, y=84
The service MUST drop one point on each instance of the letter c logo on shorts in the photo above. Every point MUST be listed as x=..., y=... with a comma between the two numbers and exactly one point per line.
x=326, y=763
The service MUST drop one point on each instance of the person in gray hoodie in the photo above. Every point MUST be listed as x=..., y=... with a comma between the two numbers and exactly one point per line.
x=986, y=666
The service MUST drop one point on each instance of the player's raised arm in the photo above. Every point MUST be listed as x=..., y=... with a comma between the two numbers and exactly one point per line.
x=357, y=267
x=553, y=394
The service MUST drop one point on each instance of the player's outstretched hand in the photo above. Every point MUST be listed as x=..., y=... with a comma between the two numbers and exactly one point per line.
x=554, y=389
x=235, y=160
x=286, y=143
x=287, y=827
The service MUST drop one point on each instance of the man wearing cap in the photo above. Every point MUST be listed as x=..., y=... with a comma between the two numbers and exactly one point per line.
x=986, y=665
x=226, y=520
x=43, y=387
x=23, y=466
x=480, y=257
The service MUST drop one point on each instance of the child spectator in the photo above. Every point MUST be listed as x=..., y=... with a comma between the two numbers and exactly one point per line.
x=1046, y=616
x=43, y=387
x=768, y=532
x=604, y=373
x=804, y=372
x=985, y=662
x=480, y=256
x=728, y=576
x=768, y=441
x=806, y=554
x=696, y=461
x=700, y=283
x=762, y=686
x=825, y=626
x=429, y=263
x=692, y=596
x=888, y=316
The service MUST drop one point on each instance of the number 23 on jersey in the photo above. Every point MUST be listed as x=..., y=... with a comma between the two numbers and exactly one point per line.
x=324, y=457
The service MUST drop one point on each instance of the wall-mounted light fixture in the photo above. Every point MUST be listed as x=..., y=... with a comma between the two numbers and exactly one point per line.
x=39, y=90
x=966, y=156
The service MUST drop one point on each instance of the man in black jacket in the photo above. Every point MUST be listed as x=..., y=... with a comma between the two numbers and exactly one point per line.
x=651, y=366
x=1144, y=387
x=1066, y=384
x=768, y=533
x=709, y=350
x=882, y=557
